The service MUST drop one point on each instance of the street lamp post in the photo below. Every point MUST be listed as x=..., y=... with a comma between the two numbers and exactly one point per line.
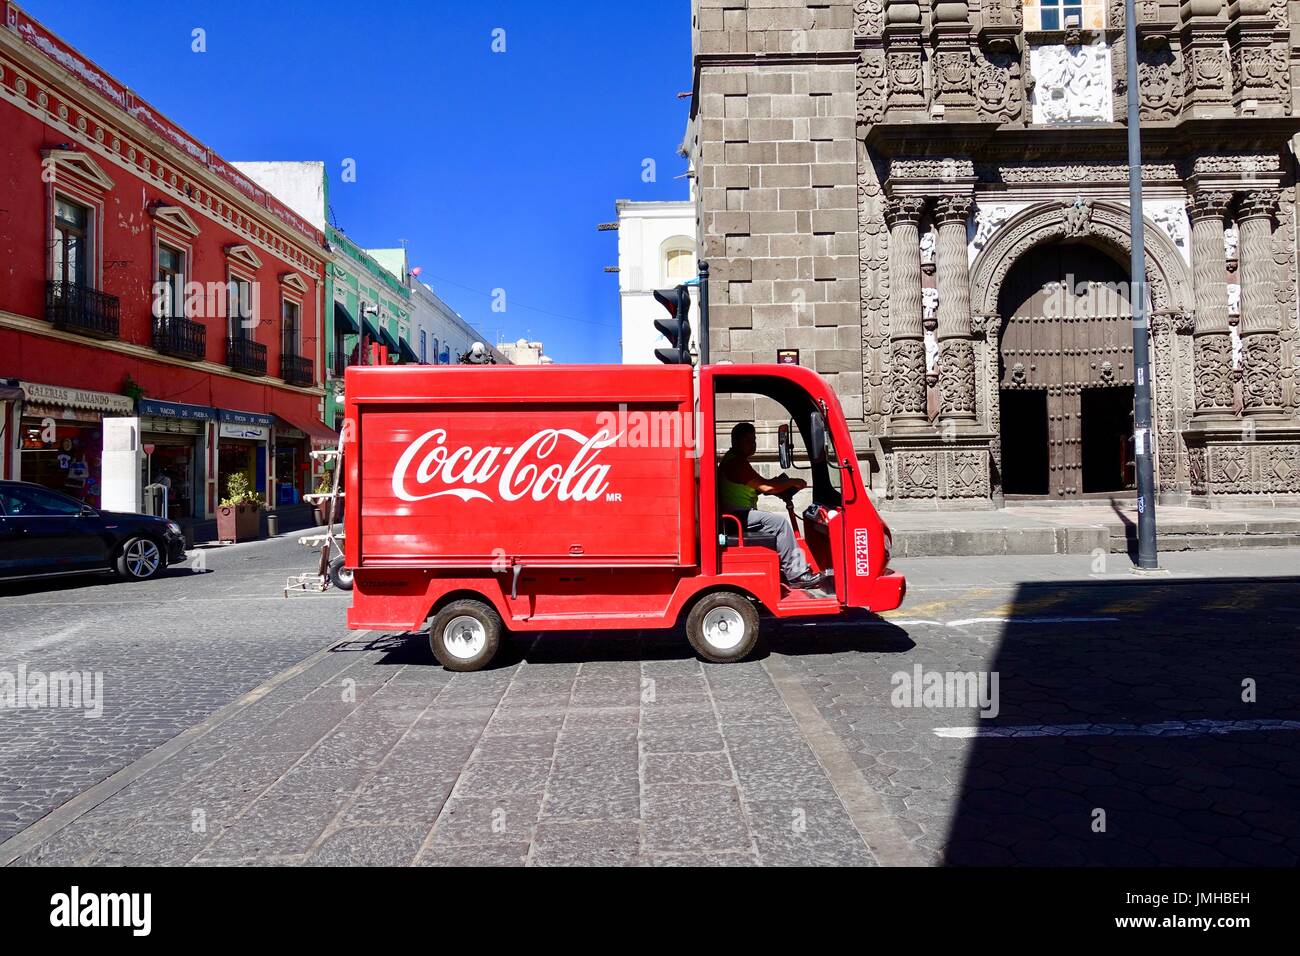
x=1146, y=486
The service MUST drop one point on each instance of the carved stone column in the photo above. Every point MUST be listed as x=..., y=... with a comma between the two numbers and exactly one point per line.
x=950, y=33
x=1213, y=343
x=1261, y=344
x=1260, y=76
x=903, y=59
x=906, y=332
x=956, y=353
x=1207, y=74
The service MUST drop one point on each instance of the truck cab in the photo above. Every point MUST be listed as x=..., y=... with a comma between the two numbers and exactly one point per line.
x=482, y=500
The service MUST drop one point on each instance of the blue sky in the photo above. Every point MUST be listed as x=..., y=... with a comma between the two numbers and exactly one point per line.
x=495, y=167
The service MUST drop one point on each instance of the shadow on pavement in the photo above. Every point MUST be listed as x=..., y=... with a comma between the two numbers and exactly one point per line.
x=1055, y=764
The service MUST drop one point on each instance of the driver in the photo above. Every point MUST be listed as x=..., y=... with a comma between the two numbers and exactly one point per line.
x=739, y=486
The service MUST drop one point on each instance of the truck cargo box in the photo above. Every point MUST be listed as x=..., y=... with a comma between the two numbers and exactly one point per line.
x=470, y=467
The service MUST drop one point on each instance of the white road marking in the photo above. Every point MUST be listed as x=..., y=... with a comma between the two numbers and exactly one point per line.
x=1030, y=620
x=1165, y=728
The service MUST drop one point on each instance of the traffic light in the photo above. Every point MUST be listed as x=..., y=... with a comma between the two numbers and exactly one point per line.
x=677, y=327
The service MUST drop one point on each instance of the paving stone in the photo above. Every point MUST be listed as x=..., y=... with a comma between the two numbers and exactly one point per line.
x=597, y=843
x=369, y=846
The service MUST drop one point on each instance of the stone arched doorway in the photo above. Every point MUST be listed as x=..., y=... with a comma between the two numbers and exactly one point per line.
x=1100, y=226
x=1065, y=374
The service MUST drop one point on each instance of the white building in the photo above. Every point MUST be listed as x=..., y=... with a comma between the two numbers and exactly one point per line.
x=439, y=335
x=523, y=352
x=656, y=250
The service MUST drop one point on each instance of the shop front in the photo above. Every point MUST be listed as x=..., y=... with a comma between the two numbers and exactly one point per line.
x=294, y=441
x=60, y=437
x=243, y=439
x=11, y=397
x=175, y=439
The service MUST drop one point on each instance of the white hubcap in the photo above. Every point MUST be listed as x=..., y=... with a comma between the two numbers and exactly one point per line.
x=464, y=637
x=142, y=558
x=724, y=628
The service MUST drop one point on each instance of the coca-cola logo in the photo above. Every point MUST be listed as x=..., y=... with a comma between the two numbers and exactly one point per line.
x=532, y=469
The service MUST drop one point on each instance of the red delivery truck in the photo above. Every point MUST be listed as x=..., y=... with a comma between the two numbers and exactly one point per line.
x=584, y=497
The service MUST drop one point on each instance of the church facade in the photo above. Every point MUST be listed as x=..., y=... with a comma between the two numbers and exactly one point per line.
x=930, y=202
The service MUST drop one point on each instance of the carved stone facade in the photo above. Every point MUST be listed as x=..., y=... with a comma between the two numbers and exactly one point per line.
x=968, y=143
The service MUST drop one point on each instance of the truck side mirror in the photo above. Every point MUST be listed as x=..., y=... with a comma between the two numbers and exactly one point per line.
x=784, y=450
x=817, y=439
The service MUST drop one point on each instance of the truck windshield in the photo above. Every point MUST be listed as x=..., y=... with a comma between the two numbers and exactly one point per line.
x=832, y=462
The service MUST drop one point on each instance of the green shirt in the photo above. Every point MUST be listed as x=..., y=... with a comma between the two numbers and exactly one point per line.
x=734, y=496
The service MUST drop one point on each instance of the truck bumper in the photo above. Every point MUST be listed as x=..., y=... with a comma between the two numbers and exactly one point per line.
x=888, y=592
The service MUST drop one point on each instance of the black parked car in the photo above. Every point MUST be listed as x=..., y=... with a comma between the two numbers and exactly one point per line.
x=45, y=532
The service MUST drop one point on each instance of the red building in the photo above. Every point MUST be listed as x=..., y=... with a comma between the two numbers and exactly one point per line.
x=141, y=274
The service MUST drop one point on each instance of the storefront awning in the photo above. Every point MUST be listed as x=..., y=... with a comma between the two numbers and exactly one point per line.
x=64, y=397
x=408, y=353
x=10, y=393
x=369, y=327
x=389, y=340
x=318, y=433
x=343, y=322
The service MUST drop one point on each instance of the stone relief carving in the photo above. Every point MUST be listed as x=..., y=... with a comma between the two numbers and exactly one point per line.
x=929, y=303
x=931, y=352
x=1234, y=298
x=1237, y=163
x=947, y=169
x=988, y=220
x=1071, y=83
x=872, y=87
x=999, y=93
x=1230, y=242
x=927, y=248
x=1159, y=84
x=1050, y=173
x=868, y=17
x=1171, y=216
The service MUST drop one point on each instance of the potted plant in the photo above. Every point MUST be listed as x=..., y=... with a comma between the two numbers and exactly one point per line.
x=239, y=514
x=323, y=487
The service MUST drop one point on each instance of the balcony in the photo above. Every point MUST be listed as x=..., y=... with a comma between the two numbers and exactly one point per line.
x=78, y=309
x=245, y=355
x=338, y=362
x=296, y=370
x=181, y=338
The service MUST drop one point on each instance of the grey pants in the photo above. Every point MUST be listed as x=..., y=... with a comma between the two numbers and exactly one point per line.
x=793, y=563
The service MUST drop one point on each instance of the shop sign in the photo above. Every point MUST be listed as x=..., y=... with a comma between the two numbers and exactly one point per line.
x=244, y=418
x=62, y=396
x=248, y=432
x=178, y=410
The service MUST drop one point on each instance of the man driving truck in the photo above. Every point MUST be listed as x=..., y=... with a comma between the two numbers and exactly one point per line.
x=739, y=486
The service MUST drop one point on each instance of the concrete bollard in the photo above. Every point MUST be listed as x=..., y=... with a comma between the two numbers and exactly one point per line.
x=272, y=524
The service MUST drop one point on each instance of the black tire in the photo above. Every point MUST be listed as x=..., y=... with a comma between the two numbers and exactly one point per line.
x=465, y=635
x=340, y=576
x=723, y=611
x=140, y=559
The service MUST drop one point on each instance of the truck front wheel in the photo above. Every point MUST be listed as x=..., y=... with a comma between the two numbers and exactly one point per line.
x=465, y=635
x=723, y=627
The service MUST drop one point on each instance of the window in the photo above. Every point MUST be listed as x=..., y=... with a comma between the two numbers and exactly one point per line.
x=240, y=309
x=679, y=265
x=171, y=283
x=1064, y=14
x=71, y=242
x=25, y=502
x=290, y=328
x=424, y=352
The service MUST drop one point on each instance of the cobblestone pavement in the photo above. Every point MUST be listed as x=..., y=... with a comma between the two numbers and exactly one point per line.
x=171, y=651
x=599, y=748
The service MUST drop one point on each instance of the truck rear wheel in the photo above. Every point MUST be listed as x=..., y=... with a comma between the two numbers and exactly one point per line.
x=465, y=635
x=723, y=627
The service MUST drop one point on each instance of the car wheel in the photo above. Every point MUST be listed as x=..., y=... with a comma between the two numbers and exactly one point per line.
x=340, y=576
x=140, y=559
x=465, y=635
x=723, y=627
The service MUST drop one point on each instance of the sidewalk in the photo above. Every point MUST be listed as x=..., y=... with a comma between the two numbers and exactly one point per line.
x=1083, y=529
x=291, y=517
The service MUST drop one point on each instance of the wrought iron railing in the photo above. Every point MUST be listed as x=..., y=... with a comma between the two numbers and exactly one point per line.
x=181, y=338
x=245, y=355
x=296, y=370
x=78, y=309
